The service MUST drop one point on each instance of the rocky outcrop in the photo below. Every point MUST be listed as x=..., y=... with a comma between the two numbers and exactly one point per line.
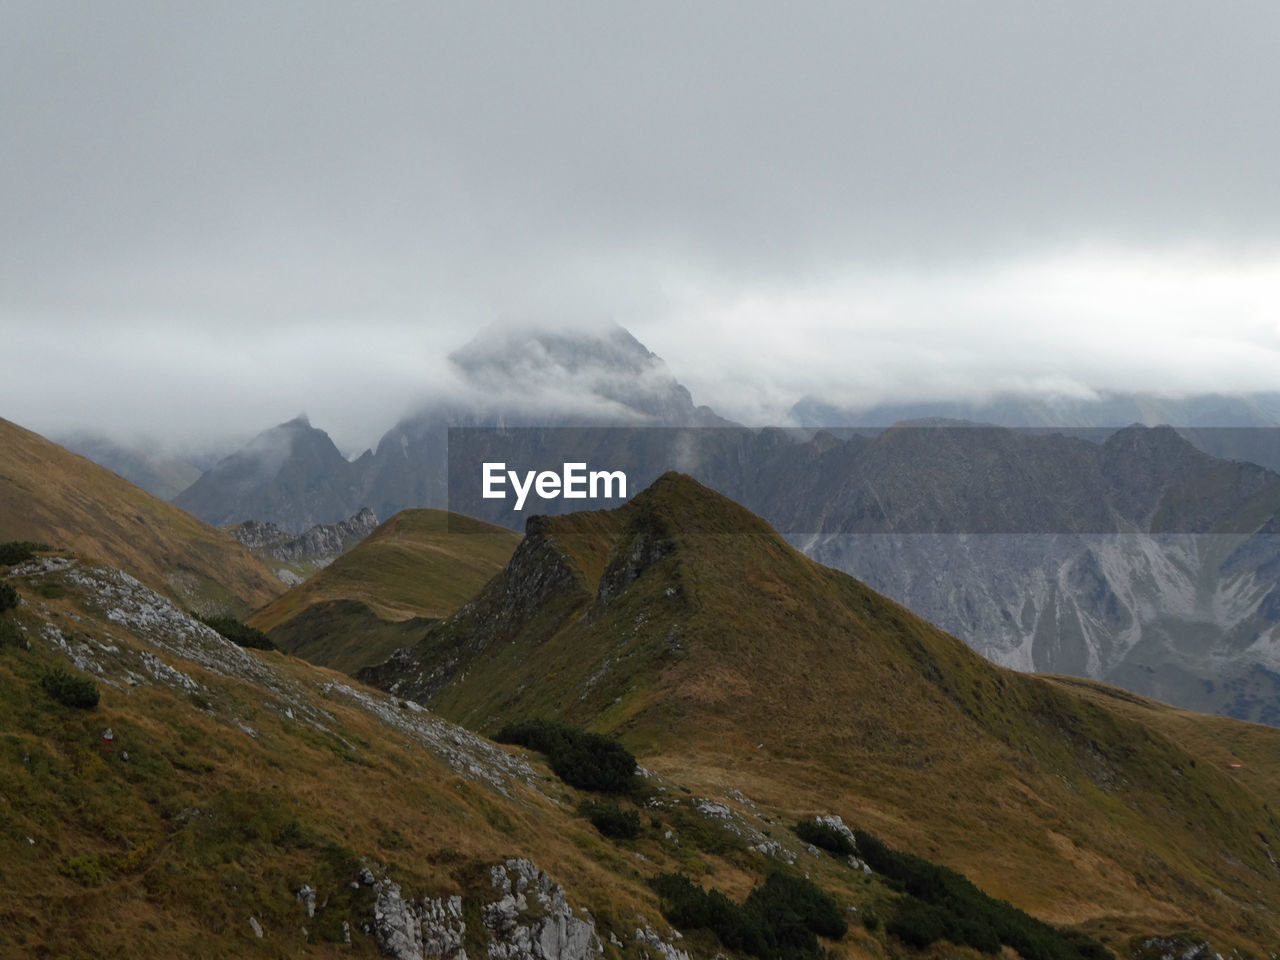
x=416, y=929
x=318, y=545
x=532, y=919
x=1177, y=947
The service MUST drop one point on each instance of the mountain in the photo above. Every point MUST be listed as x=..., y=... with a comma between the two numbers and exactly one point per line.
x=300, y=556
x=1033, y=545
x=1133, y=558
x=417, y=567
x=687, y=626
x=1239, y=427
x=51, y=495
x=291, y=475
x=144, y=465
x=509, y=374
x=1140, y=560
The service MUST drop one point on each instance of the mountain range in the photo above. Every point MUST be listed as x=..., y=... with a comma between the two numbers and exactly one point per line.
x=1042, y=544
x=212, y=800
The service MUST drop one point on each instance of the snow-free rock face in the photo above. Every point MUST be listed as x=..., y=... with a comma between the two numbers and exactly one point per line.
x=416, y=929
x=532, y=920
x=319, y=545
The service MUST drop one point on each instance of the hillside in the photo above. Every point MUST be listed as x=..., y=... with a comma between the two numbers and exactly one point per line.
x=686, y=626
x=50, y=495
x=417, y=567
x=218, y=802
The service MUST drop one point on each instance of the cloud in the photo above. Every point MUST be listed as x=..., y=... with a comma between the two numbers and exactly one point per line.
x=218, y=214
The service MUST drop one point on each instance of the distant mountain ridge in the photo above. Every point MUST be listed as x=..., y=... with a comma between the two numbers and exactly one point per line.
x=1049, y=552
x=144, y=465
x=1233, y=427
x=317, y=546
x=294, y=476
x=291, y=475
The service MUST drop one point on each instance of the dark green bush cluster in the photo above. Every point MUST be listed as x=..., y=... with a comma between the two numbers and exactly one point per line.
x=18, y=551
x=942, y=904
x=588, y=761
x=238, y=633
x=10, y=634
x=70, y=689
x=824, y=836
x=780, y=919
x=8, y=597
x=611, y=820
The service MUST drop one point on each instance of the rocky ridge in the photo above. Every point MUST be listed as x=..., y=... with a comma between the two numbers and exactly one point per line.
x=311, y=550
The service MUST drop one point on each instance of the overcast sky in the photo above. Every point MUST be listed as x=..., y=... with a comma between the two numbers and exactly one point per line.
x=215, y=215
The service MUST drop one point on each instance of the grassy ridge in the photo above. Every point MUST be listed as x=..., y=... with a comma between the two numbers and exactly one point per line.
x=722, y=655
x=418, y=565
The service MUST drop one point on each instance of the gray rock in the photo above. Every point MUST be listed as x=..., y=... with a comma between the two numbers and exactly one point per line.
x=257, y=927
x=307, y=897
x=550, y=930
x=413, y=930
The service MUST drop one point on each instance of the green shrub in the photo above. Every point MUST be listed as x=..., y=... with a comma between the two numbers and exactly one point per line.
x=10, y=634
x=825, y=836
x=238, y=633
x=942, y=904
x=611, y=820
x=779, y=920
x=85, y=869
x=18, y=551
x=588, y=761
x=8, y=597
x=70, y=689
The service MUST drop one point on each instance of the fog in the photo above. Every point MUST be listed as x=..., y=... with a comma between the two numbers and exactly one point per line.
x=219, y=215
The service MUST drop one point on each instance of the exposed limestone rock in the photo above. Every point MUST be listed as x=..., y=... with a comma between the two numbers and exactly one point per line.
x=551, y=933
x=414, y=930
x=307, y=897
x=668, y=951
x=1177, y=947
x=835, y=823
x=319, y=545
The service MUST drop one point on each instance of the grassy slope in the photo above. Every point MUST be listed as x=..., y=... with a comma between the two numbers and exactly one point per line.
x=728, y=659
x=50, y=495
x=169, y=851
x=346, y=635
x=419, y=563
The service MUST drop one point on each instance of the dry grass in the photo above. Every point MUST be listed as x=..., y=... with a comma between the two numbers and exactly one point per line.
x=732, y=661
x=50, y=495
x=420, y=563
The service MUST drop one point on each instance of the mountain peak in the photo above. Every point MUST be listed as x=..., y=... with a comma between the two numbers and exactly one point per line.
x=680, y=503
x=593, y=368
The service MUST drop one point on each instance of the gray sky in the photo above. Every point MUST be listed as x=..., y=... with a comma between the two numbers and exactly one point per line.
x=218, y=214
